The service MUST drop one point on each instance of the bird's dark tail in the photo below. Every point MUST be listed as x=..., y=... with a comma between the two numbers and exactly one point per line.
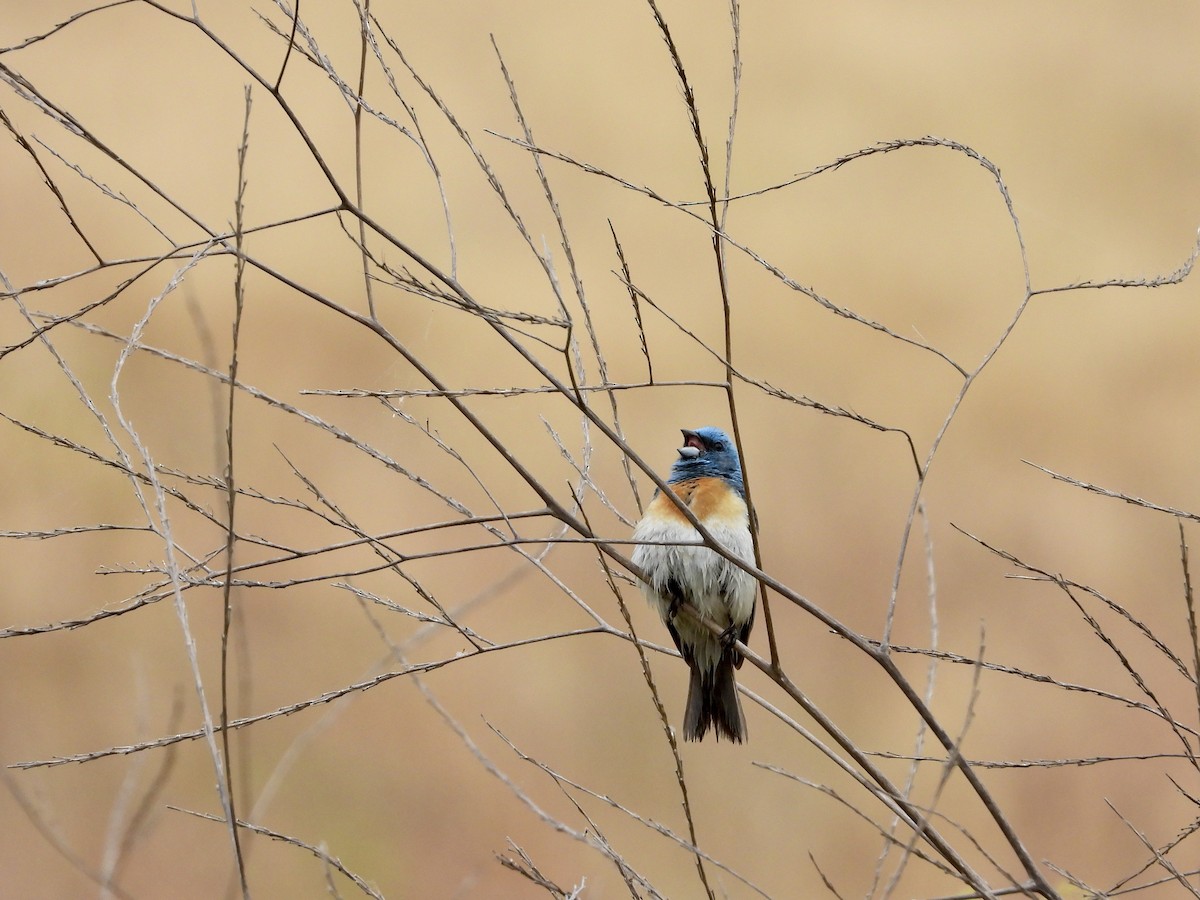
x=713, y=700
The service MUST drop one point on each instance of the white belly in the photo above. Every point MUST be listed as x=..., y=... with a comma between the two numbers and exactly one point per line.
x=720, y=590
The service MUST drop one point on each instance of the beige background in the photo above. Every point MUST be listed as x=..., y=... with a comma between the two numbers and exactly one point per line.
x=1089, y=110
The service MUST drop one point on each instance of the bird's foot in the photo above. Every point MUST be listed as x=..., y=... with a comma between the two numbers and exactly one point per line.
x=673, y=607
x=729, y=637
x=674, y=594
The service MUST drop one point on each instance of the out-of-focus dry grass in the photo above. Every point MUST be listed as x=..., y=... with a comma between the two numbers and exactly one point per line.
x=1088, y=110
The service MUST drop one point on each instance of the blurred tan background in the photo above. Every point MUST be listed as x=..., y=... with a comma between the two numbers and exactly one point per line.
x=1088, y=109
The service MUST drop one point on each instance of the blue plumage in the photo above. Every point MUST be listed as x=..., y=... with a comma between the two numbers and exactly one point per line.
x=716, y=456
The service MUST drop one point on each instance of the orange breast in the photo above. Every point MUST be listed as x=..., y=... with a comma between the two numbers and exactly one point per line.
x=708, y=499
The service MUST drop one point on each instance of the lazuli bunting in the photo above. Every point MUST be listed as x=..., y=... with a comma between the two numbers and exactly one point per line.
x=707, y=478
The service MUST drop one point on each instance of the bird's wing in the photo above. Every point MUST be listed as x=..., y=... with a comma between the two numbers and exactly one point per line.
x=675, y=596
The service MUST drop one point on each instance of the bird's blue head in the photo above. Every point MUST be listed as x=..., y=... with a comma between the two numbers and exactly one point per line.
x=708, y=453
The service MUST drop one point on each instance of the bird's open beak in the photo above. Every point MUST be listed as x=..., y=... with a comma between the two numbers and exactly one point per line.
x=692, y=445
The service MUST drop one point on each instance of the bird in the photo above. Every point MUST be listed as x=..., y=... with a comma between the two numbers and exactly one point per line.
x=707, y=478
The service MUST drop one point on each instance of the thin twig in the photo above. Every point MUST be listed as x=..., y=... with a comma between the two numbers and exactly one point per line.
x=239, y=295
